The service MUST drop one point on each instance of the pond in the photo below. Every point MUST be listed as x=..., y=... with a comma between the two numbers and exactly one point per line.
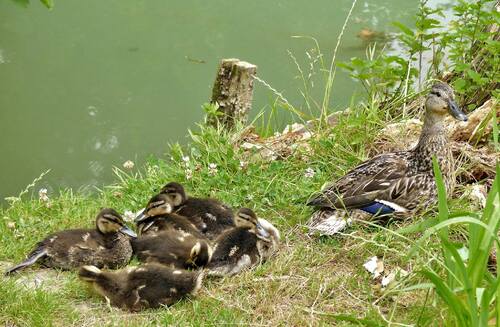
x=91, y=84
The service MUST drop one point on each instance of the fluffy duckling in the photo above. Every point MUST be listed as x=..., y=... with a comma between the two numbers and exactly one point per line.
x=106, y=246
x=173, y=248
x=158, y=217
x=210, y=216
x=148, y=286
x=251, y=242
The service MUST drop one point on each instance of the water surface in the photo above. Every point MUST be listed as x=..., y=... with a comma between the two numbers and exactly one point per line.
x=94, y=83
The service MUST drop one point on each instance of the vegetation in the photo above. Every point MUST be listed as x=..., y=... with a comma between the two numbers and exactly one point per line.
x=47, y=3
x=310, y=280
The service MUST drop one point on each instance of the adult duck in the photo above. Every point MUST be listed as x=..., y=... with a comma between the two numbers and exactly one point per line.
x=398, y=182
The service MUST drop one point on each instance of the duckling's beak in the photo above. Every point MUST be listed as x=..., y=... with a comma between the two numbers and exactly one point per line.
x=127, y=231
x=141, y=216
x=455, y=111
x=262, y=232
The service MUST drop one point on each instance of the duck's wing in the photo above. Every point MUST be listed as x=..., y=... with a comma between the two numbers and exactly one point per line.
x=33, y=257
x=365, y=183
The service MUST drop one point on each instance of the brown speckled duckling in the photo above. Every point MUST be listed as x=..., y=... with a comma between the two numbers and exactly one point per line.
x=108, y=245
x=210, y=216
x=173, y=248
x=158, y=217
x=251, y=242
x=148, y=286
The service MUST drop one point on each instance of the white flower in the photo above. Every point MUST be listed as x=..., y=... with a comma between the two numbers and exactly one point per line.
x=42, y=194
x=243, y=164
x=309, y=173
x=128, y=216
x=129, y=164
x=189, y=174
x=185, y=161
x=212, y=169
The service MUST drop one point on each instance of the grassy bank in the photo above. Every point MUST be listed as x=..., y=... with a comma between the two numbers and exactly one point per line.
x=308, y=280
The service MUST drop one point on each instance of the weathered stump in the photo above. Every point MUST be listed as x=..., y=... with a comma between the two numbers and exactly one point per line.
x=232, y=93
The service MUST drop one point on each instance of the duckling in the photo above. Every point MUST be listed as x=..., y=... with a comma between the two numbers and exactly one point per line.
x=251, y=242
x=173, y=248
x=397, y=183
x=158, y=217
x=106, y=246
x=147, y=286
x=210, y=216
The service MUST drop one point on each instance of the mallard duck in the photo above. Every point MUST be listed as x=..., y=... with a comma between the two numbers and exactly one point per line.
x=249, y=243
x=396, y=183
x=173, y=248
x=158, y=217
x=108, y=245
x=209, y=215
x=147, y=286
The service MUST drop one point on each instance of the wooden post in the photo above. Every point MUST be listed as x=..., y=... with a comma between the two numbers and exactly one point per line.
x=232, y=92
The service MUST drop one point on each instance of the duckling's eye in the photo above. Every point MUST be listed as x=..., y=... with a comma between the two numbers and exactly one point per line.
x=245, y=217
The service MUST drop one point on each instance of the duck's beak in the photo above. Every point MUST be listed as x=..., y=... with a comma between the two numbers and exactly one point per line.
x=141, y=216
x=127, y=231
x=455, y=111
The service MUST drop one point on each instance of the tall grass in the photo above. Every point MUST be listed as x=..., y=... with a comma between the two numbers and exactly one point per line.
x=462, y=279
x=328, y=71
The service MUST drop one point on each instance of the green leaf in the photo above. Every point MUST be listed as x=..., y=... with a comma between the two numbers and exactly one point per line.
x=405, y=29
x=48, y=3
x=476, y=77
x=23, y=3
x=460, y=84
x=449, y=297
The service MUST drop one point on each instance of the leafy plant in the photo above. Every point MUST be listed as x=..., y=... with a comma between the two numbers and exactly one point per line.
x=462, y=279
x=466, y=46
x=47, y=3
x=380, y=73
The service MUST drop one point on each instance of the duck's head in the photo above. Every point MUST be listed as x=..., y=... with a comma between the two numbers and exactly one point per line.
x=441, y=101
x=109, y=221
x=175, y=192
x=246, y=218
x=159, y=204
x=201, y=254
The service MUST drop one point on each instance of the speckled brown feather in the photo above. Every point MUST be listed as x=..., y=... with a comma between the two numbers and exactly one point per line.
x=165, y=222
x=242, y=247
x=73, y=248
x=147, y=286
x=173, y=248
x=401, y=180
x=405, y=178
x=209, y=215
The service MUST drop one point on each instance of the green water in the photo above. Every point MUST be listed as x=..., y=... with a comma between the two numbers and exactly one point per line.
x=94, y=83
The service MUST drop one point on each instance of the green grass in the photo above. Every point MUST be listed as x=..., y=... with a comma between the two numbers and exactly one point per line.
x=309, y=281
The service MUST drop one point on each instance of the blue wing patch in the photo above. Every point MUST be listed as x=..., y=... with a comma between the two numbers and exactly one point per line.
x=378, y=209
